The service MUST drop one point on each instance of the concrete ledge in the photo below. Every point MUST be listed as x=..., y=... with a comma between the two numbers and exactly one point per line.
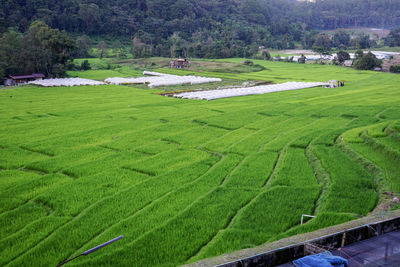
x=289, y=249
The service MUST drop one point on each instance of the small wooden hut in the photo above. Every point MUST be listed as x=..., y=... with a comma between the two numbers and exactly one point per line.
x=180, y=63
x=12, y=80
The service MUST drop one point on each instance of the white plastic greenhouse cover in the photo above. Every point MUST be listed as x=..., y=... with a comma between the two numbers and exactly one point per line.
x=162, y=79
x=262, y=89
x=65, y=82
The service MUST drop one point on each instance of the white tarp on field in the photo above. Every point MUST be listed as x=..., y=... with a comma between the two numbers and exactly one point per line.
x=65, y=82
x=256, y=90
x=378, y=54
x=162, y=79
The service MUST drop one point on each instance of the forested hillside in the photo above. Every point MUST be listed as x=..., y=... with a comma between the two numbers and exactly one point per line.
x=170, y=28
x=243, y=20
x=332, y=14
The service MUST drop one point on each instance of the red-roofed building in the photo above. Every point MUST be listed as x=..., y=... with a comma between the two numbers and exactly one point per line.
x=12, y=80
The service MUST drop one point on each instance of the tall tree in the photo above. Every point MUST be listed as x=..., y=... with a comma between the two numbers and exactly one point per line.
x=393, y=38
x=342, y=56
x=117, y=47
x=41, y=49
x=47, y=50
x=101, y=49
x=322, y=44
x=359, y=54
x=83, y=44
x=174, y=43
x=10, y=53
x=362, y=41
x=90, y=15
x=341, y=39
x=367, y=62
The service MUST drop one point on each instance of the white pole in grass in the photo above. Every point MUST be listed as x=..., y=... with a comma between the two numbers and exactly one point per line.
x=87, y=252
x=304, y=215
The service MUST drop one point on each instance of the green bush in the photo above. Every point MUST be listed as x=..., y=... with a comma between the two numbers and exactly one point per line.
x=85, y=65
x=266, y=55
x=367, y=62
x=302, y=59
x=395, y=69
x=1, y=76
x=342, y=56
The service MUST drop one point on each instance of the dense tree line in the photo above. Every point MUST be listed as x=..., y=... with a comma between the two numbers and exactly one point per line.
x=323, y=42
x=40, y=49
x=164, y=17
x=333, y=14
x=393, y=38
x=120, y=17
x=202, y=28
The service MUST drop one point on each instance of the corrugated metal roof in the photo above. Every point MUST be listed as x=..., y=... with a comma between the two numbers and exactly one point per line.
x=27, y=76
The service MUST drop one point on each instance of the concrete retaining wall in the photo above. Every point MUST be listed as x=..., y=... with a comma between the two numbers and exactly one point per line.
x=289, y=249
x=332, y=241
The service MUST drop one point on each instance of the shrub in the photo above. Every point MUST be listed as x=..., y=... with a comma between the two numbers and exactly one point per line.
x=85, y=65
x=367, y=62
x=342, y=56
x=266, y=55
x=359, y=54
x=395, y=69
x=302, y=59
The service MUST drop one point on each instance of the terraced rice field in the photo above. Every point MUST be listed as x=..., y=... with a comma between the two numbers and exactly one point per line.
x=184, y=180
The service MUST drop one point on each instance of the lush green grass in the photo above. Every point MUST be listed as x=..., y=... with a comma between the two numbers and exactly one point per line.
x=383, y=152
x=112, y=67
x=254, y=171
x=295, y=170
x=187, y=179
x=272, y=212
x=95, y=63
x=106, y=72
x=324, y=219
x=352, y=189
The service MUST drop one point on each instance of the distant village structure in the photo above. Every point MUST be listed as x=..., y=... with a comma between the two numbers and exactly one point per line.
x=180, y=63
x=391, y=61
x=348, y=63
x=12, y=80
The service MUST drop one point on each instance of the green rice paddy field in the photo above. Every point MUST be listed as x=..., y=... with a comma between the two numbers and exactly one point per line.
x=184, y=180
